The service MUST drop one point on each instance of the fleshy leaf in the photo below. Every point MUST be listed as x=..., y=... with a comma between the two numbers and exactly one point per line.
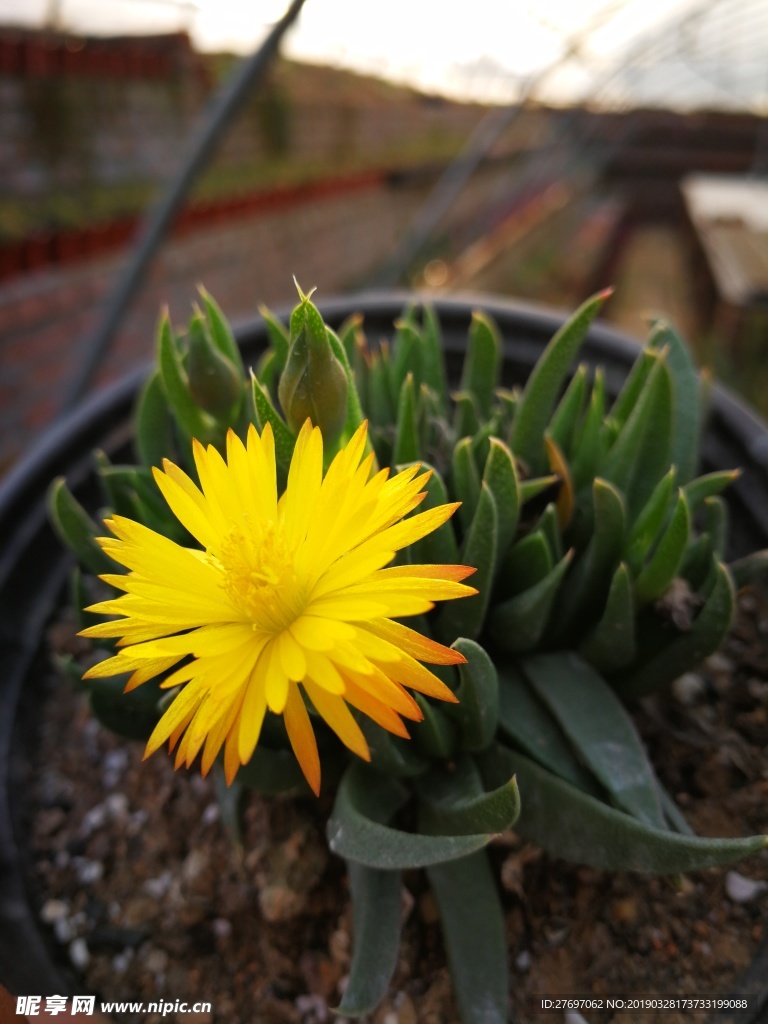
x=133, y=715
x=278, y=335
x=355, y=833
x=153, y=435
x=518, y=624
x=543, y=386
x=221, y=332
x=750, y=568
x=611, y=645
x=190, y=417
x=480, y=374
x=500, y=475
x=526, y=564
x=708, y=486
x=407, y=436
x=466, y=481
x=687, y=415
x=601, y=731
x=649, y=522
x=465, y=617
x=454, y=803
x=562, y=427
x=76, y=528
x=570, y=824
x=477, y=712
x=664, y=563
x=435, y=733
x=266, y=413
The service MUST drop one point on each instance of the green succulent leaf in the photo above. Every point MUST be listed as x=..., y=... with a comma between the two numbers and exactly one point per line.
x=221, y=332
x=649, y=522
x=527, y=563
x=398, y=758
x=500, y=475
x=750, y=568
x=76, y=528
x=600, y=730
x=687, y=412
x=709, y=486
x=593, y=570
x=153, y=431
x=537, y=401
x=575, y=826
x=633, y=386
x=480, y=374
x=588, y=443
x=435, y=734
x=273, y=772
x=669, y=653
x=432, y=362
x=407, y=436
x=355, y=415
x=465, y=617
x=475, y=937
x=188, y=414
x=466, y=481
x=562, y=427
x=665, y=562
x=477, y=711
x=527, y=722
x=716, y=524
x=611, y=645
x=519, y=623
x=279, y=337
x=453, y=802
x=549, y=528
x=466, y=416
x=536, y=486
x=354, y=830
x=266, y=413
x=376, y=897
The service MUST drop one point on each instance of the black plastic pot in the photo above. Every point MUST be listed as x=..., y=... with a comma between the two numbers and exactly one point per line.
x=34, y=567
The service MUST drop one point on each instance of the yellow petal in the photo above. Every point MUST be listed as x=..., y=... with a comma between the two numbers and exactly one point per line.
x=302, y=737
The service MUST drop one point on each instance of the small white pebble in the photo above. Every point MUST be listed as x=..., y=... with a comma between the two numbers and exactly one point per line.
x=95, y=818
x=62, y=929
x=121, y=961
x=688, y=688
x=78, y=954
x=53, y=910
x=117, y=806
x=313, y=1004
x=156, y=961
x=523, y=962
x=222, y=928
x=209, y=815
x=390, y=1018
x=158, y=887
x=718, y=662
x=741, y=889
x=88, y=871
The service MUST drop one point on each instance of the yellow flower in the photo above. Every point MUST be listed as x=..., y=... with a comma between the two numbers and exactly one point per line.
x=286, y=596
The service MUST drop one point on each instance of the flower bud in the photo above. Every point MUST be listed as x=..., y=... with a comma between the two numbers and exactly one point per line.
x=214, y=382
x=314, y=383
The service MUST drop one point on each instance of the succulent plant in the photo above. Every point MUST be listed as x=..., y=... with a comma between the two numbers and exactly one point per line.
x=600, y=578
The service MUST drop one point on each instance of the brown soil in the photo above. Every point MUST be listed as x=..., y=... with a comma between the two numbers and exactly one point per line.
x=143, y=886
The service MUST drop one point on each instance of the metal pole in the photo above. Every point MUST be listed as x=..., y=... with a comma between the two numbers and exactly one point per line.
x=222, y=109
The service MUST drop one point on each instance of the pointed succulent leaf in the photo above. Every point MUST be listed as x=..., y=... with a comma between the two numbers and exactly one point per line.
x=266, y=413
x=435, y=734
x=709, y=486
x=528, y=723
x=407, y=435
x=474, y=934
x=534, y=487
x=697, y=563
x=549, y=528
x=229, y=799
x=543, y=387
x=750, y=568
x=600, y=730
x=350, y=334
x=593, y=570
x=381, y=404
x=570, y=824
x=646, y=528
x=354, y=830
x=641, y=453
x=432, y=361
x=190, y=417
x=716, y=523
x=477, y=712
x=526, y=564
x=438, y=547
x=500, y=475
x=665, y=562
x=506, y=403
x=479, y=549
x=611, y=645
x=466, y=481
x=562, y=427
x=687, y=413
x=376, y=898
x=268, y=370
x=406, y=351
x=452, y=805
x=221, y=332
x=519, y=623
x=76, y=528
x=587, y=446
x=666, y=659
x=480, y=374
x=278, y=335
x=566, y=497
x=153, y=432
x=674, y=816
x=466, y=415
x=633, y=386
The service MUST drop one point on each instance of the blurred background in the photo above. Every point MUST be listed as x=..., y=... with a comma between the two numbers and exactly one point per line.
x=539, y=151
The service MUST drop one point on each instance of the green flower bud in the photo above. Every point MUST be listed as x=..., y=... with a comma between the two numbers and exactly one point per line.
x=314, y=383
x=214, y=381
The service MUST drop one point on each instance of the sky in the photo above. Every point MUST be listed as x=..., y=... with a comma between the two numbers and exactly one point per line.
x=492, y=55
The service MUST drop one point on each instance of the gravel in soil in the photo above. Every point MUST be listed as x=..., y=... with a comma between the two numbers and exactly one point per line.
x=150, y=897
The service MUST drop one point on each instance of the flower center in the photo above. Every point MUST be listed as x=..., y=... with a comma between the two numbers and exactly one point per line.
x=259, y=575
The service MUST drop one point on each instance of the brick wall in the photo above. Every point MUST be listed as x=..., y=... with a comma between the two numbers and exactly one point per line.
x=333, y=241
